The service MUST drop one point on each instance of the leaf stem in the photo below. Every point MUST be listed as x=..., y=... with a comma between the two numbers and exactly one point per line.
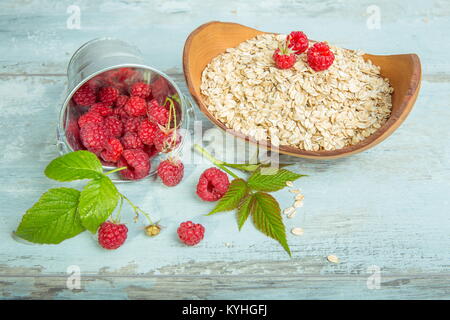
x=115, y=170
x=136, y=209
x=217, y=162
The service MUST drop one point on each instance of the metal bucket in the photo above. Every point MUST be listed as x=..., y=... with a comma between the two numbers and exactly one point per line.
x=96, y=58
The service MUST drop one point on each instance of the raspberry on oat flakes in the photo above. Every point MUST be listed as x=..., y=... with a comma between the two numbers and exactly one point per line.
x=103, y=108
x=131, y=141
x=190, y=233
x=136, y=107
x=111, y=235
x=108, y=94
x=147, y=131
x=113, y=150
x=114, y=126
x=137, y=163
x=85, y=95
x=121, y=101
x=93, y=136
x=141, y=89
x=284, y=58
x=157, y=113
x=320, y=56
x=297, y=41
x=89, y=117
x=212, y=185
x=171, y=171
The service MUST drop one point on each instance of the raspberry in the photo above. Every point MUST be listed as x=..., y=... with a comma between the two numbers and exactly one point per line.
x=297, y=41
x=141, y=89
x=93, y=136
x=121, y=113
x=114, y=126
x=147, y=131
x=111, y=235
x=160, y=89
x=171, y=172
x=150, y=151
x=121, y=101
x=90, y=117
x=284, y=59
x=102, y=108
x=113, y=150
x=212, y=184
x=131, y=141
x=136, y=107
x=108, y=94
x=157, y=113
x=131, y=124
x=85, y=95
x=166, y=141
x=190, y=233
x=137, y=163
x=320, y=56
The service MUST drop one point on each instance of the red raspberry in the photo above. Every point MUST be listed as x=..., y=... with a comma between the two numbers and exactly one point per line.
x=171, y=172
x=111, y=235
x=157, y=113
x=121, y=113
x=123, y=74
x=108, y=94
x=212, y=185
x=121, y=101
x=137, y=163
x=131, y=141
x=141, y=89
x=90, y=117
x=102, y=108
x=166, y=141
x=320, y=56
x=131, y=124
x=160, y=89
x=190, y=233
x=85, y=95
x=136, y=107
x=147, y=131
x=150, y=151
x=297, y=41
x=113, y=150
x=284, y=59
x=114, y=126
x=93, y=136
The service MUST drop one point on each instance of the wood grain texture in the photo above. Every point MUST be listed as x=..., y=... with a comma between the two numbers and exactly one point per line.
x=387, y=206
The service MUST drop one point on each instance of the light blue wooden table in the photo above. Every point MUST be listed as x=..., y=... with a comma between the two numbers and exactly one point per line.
x=385, y=209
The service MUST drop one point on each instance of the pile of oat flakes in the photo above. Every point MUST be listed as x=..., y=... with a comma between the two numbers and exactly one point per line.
x=298, y=107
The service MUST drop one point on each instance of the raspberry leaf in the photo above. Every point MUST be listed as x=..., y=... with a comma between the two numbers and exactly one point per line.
x=53, y=218
x=271, y=179
x=98, y=200
x=244, y=210
x=236, y=191
x=266, y=214
x=76, y=165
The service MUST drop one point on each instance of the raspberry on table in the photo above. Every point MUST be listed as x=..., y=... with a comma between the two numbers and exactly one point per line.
x=191, y=233
x=90, y=117
x=113, y=150
x=121, y=101
x=114, y=126
x=108, y=95
x=320, y=57
x=85, y=95
x=137, y=163
x=94, y=136
x=141, y=89
x=111, y=235
x=297, y=41
x=147, y=131
x=284, y=59
x=212, y=185
x=103, y=108
x=157, y=113
x=136, y=107
x=131, y=141
x=171, y=171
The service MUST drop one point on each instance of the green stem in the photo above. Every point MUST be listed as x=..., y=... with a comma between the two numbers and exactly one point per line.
x=136, y=209
x=217, y=162
x=115, y=170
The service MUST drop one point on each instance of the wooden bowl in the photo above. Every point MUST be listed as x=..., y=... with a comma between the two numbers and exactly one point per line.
x=213, y=38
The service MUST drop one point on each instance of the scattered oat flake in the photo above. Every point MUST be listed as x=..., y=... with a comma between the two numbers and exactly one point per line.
x=297, y=231
x=298, y=204
x=299, y=197
x=289, y=210
x=292, y=215
x=332, y=258
x=296, y=191
x=289, y=183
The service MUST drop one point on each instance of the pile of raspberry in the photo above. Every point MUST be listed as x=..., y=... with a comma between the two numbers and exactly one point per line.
x=125, y=121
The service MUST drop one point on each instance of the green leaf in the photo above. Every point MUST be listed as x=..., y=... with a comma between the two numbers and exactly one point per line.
x=231, y=199
x=271, y=179
x=76, y=165
x=243, y=166
x=244, y=210
x=97, y=201
x=53, y=218
x=266, y=216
